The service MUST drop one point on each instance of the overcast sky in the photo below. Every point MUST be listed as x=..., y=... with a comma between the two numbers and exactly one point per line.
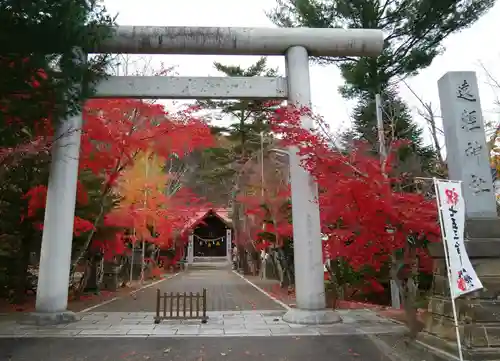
x=464, y=51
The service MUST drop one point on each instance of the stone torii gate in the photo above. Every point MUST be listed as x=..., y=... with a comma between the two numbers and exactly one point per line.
x=296, y=45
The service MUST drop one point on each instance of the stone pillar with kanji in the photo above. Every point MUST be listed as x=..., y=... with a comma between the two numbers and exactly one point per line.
x=467, y=157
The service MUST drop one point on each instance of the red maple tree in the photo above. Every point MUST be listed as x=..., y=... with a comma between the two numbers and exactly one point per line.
x=269, y=217
x=23, y=109
x=364, y=217
x=115, y=131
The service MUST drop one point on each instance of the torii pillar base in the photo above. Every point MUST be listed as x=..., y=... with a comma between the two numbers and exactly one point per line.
x=49, y=318
x=312, y=317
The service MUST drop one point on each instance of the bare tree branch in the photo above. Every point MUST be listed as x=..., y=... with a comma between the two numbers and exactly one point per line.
x=430, y=117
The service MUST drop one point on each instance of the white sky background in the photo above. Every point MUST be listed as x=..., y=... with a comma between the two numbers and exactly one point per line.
x=465, y=51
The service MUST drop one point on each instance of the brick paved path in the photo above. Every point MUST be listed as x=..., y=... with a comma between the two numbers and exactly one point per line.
x=272, y=287
x=226, y=291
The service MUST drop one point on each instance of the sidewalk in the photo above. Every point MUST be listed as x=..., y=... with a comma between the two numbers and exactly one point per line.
x=220, y=324
x=315, y=348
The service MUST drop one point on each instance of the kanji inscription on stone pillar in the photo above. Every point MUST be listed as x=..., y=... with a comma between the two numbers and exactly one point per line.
x=466, y=151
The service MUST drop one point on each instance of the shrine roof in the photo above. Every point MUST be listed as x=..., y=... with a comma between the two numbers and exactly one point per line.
x=221, y=213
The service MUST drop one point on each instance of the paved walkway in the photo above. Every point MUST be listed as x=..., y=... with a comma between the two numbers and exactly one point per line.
x=226, y=291
x=124, y=330
x=220, y=324
x=272, y=287
x=316, y=348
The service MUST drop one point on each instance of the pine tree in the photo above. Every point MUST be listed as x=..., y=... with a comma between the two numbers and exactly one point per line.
x=244, y=132
x=217, y=168
x=398, y=124
x=38, y=41
x=244, y=136
x=414, y=32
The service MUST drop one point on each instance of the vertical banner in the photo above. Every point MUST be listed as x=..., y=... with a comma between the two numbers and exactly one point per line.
x=451, y=205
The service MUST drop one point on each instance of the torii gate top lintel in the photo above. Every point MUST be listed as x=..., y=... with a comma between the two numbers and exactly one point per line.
x=242, y=41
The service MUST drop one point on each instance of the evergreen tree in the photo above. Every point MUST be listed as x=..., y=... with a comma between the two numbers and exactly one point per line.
x=414, y=32
x=398, y=124
x=244, y=137
x=248, y=117
x=39, y=86
x=214, y=171
x=40, y=80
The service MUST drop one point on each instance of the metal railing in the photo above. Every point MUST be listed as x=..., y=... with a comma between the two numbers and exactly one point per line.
x=181, y=306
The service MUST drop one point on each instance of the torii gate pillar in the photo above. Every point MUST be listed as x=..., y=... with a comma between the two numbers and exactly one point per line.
x=307, y=242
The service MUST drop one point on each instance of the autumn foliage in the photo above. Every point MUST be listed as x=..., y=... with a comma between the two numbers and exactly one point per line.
x=119, y=138
x=144, y=205
x=364, y=215
x=269, y=216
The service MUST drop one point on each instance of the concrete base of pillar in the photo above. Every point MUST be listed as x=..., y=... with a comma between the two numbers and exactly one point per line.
x=312, y=317
x=49, y=318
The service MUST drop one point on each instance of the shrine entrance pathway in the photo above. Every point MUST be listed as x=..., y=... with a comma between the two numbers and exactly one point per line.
x=226, y=291
x=244, y=325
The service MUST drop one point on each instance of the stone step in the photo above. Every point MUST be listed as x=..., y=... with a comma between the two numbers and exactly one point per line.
x=210, y=263
x=209, y=259
x=483, y=228
x=476, y=248
x=483, y=247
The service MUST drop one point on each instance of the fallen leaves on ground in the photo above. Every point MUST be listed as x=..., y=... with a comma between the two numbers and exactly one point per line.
x=352, y=353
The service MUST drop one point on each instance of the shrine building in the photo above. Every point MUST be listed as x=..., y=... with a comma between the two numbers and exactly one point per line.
x=210, y=236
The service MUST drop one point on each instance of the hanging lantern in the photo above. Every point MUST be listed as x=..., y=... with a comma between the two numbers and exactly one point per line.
x=217, y=244
x=209, y=244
